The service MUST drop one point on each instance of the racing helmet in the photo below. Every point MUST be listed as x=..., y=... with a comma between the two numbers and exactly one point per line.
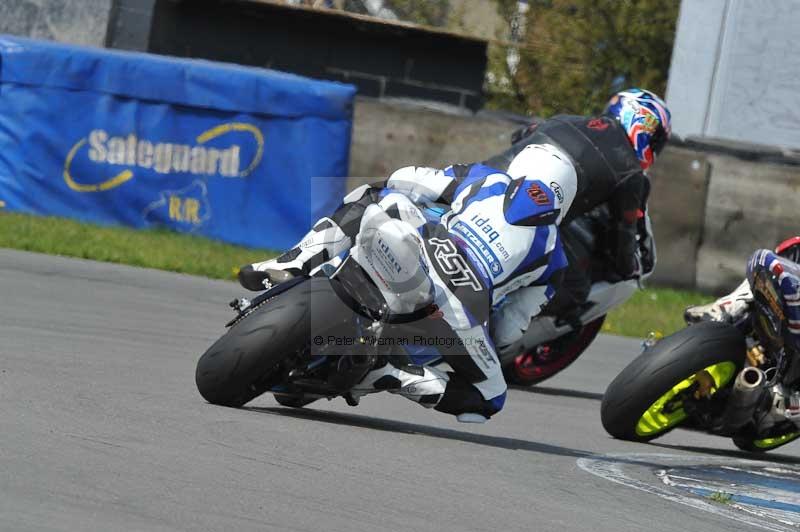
x=645, y=119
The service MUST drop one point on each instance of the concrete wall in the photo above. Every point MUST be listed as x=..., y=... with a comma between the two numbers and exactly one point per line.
x=677, y=206
x=694, y=61
x=129, y=25
x=389, y=135
x=750, y=205
x=711, y=205
x=70, y=21
x=736, y=71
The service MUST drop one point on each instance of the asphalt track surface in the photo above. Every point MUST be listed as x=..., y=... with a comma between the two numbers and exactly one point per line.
x=101, y=428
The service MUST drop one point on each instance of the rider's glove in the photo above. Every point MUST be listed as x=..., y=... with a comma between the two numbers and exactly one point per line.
x=626, y=260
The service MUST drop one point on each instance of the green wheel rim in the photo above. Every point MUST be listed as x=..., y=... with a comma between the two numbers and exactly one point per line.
x=770, y=443
x=655, y=420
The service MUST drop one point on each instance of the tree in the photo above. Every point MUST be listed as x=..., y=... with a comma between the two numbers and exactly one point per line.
x=576, y=53
x=502, y=83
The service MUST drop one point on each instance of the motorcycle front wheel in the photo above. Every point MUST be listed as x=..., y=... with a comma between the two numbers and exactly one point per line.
x=245, y=361
x=645, y=401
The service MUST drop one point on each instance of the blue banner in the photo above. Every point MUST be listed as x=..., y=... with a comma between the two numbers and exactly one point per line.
x=245, y=155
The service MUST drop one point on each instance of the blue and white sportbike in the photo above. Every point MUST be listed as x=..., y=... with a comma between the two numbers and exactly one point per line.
x=314, y=337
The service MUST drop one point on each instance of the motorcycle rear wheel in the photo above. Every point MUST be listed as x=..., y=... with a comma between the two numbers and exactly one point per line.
x=645, y=400
x=528, y=369
x=765, y=444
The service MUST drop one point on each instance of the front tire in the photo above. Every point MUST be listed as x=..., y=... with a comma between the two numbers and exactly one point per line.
x=241, y=365
x=644, y=401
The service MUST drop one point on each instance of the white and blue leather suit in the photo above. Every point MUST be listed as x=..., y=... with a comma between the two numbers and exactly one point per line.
x=495, y=251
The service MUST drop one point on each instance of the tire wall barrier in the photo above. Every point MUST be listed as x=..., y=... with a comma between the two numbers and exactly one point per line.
x=711, y=205
x=240, y=154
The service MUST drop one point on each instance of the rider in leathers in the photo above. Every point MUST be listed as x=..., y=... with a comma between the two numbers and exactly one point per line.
x=498, y=236
x=784, y=264
x=497, y=247
x=609, y=154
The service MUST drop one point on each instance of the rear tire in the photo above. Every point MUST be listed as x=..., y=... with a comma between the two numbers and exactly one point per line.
x=765, y=444
x=523, y=369
x=662, y=370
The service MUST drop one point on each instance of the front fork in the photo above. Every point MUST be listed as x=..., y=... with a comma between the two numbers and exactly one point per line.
x=342, y=371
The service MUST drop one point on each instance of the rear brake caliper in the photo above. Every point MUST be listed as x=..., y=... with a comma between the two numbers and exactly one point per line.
x=756, y=356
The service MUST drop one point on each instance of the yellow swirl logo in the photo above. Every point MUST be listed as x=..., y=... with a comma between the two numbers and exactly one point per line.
x=164, y=157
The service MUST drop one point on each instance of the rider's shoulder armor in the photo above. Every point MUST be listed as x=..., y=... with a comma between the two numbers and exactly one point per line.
x=529, y=202
x=526, y=202
x=507, y=224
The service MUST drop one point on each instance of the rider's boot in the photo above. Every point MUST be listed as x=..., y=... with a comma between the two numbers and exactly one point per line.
x=324, y=241
x=421, y=384
x=727, y=309
x=430, y=387
x=263, y=279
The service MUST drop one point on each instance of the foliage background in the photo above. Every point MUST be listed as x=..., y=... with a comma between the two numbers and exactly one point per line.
x=573, y=54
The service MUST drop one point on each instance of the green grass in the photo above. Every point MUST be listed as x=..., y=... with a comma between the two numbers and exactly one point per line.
x=160, y=249
x=657, y=310
x=721, y=497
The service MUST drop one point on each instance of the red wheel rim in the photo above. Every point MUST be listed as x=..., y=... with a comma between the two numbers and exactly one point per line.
x=527, y=371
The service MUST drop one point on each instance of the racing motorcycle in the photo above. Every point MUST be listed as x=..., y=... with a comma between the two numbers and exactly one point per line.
x=738, y=381
x=278, y=342
x=551, y=343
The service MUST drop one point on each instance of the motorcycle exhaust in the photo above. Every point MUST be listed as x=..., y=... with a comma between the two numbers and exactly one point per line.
x=748, y=392
x=749, y=378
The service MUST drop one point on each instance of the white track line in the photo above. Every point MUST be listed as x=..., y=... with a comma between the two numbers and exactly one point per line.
x=610, y=467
